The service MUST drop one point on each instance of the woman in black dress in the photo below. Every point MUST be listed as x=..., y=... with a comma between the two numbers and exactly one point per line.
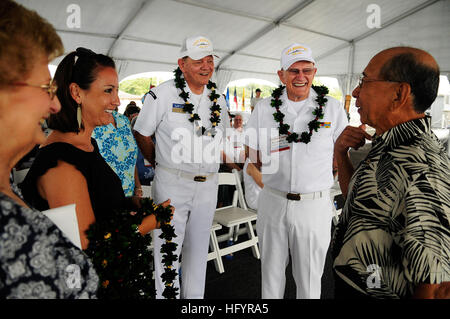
x=69, y=168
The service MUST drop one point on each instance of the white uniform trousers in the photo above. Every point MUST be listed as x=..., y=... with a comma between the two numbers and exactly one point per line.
x=302, y=228
x=195, y=204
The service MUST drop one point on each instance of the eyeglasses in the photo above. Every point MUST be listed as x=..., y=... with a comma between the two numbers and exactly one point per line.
x=363, y=79
x=307, y=71
x=49, y=88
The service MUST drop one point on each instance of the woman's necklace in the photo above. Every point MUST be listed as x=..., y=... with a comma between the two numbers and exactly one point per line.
x=314, y=125
x=215, y=109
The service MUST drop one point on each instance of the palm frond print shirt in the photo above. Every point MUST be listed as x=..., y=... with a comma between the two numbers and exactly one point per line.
x=394, y=230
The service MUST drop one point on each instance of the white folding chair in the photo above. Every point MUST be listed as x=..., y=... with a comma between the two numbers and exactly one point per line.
x=241, y=196
x=215, y=250
x=242, y=202
x=232, y=216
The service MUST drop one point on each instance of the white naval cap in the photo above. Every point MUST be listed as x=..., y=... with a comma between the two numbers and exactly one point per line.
x=294, y=53
x=196, y=47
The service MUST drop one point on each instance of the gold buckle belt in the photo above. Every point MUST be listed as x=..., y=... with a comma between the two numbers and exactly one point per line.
x=200, y=178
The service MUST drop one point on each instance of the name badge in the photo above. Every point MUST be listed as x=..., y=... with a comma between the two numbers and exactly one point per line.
x=178, y=108
x=279, y=144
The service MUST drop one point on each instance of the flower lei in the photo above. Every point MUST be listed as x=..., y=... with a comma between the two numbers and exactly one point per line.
x=121, y=255
x=314, y=125
x=167, y=249
x=180, y=83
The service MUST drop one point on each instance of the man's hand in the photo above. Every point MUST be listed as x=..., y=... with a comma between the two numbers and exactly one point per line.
x=254, y=156
x=351, y=136
x=147, y=147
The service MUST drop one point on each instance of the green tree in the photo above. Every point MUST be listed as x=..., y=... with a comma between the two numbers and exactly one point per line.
x=138, y=86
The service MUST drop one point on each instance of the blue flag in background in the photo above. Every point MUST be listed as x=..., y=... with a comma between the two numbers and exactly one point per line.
x=227, y=99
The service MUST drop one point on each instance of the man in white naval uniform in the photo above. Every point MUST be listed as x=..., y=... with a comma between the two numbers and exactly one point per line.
x=187, y=160
x=294, y=207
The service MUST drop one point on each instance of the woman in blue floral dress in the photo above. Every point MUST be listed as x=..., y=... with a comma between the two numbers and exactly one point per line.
x=118, y=147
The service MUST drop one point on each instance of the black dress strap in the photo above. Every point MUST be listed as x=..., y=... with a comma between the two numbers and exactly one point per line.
x=104, y=186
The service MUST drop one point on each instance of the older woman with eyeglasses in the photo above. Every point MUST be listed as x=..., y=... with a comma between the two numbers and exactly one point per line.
x=36, y=260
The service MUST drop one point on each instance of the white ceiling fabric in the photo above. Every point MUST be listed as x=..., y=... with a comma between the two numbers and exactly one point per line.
x=249, y=35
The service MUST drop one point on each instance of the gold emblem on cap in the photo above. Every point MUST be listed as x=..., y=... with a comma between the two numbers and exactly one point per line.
x=296, y=50
x=201, y=43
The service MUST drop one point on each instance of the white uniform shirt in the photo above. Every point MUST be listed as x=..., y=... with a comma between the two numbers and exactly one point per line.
x=255, y=101
x=251, y=189
x=234, y=146
x=296, y=167
x=177, y=145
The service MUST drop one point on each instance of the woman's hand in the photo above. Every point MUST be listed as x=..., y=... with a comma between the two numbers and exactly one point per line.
x=167, y=204
x=149, y=223
x=138, y=192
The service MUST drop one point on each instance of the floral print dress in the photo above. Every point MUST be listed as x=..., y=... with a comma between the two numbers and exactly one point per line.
x=119, y=149
x=37, y=261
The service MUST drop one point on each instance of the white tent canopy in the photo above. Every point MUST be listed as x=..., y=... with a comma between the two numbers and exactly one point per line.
x=249, y=35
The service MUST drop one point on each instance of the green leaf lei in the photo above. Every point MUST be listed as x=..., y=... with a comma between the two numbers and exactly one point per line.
x=314, y=125
x=121, y=255
x=215, y=109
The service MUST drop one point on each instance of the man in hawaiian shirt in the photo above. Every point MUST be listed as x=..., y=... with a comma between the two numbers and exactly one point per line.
x=393, y=238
